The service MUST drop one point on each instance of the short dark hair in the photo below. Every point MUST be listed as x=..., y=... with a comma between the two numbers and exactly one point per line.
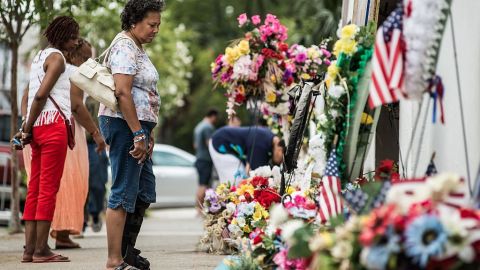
x=136, y=10
x=211, y=112
x=61, y=30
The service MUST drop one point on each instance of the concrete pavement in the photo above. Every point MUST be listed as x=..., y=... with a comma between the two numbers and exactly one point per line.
x=168, y=239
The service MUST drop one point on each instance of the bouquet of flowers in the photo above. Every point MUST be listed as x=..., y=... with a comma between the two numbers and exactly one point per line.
x=307, y=63
x=253, y=67
x=434, y=231
x=235, y=212
x=353, y=50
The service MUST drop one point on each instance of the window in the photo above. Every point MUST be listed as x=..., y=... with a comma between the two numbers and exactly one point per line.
x=162, y=158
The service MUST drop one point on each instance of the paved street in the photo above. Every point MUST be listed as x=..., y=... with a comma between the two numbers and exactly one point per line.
x=168, y=239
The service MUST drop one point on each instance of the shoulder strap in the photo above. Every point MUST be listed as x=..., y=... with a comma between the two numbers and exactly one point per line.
x=54, y=103
x=58, y=107
x=106, y=53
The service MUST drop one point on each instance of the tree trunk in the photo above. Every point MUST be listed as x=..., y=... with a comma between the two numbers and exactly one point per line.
x=15, y=225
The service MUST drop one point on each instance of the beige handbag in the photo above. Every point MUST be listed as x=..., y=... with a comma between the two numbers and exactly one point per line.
x=96, y=79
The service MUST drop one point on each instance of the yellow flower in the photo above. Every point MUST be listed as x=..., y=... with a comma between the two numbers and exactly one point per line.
x=221, y=188
x=349, y=46
x=247, y=229
x=327, y=238
x=273, y=78
x=306, y=76
x=265, y=213
x=271, y=97
x=245, y=189
x=231, y=55
x=312, y=53
x=328, y=81
x=333, y=70
x=257, y=215
x=234, y=221
x=337, y=47
x=366, y=119
x=349, y=31
x=212, y=66
x=290, y=190
x=243, y=47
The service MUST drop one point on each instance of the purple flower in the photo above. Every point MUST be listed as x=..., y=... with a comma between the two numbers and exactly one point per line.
x=214, y=207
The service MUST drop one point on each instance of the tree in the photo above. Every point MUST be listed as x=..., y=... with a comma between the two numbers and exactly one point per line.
x=16, y=17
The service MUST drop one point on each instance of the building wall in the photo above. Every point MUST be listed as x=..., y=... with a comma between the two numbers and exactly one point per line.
x=447, y=140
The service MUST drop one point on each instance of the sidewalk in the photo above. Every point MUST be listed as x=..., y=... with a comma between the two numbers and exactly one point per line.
x=168, y=239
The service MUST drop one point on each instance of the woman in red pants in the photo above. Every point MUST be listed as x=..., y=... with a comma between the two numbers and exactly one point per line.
x=45, y=130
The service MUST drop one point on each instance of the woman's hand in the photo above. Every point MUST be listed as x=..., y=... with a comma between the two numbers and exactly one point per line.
x=140, y=149
x=151, y=144
x=26, y=138
x=98, y=138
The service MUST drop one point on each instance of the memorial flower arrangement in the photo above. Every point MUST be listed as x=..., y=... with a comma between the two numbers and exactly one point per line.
x=352, y=50
x=253, y=67
x=435, y=230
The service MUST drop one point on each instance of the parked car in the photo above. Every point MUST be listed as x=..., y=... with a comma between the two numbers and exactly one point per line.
x=176, y=176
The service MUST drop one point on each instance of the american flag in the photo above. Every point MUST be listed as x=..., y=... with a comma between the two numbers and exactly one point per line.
x=431, y=169
x=330, y=202
x=356, y=199
x=387, y=61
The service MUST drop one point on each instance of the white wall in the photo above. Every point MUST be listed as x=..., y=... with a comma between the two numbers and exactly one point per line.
x=447, y=140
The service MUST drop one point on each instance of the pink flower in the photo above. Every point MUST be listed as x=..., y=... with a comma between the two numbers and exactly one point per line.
x=256, y=19
x=242, y=19
x=271, y=19
x=301, y=57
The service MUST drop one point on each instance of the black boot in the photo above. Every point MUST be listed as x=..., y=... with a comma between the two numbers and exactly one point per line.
x=133, y=223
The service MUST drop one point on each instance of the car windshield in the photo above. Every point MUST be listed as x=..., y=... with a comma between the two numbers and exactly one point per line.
x=162, y=158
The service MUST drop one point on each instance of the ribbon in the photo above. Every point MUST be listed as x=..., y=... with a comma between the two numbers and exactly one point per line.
x=437, y=92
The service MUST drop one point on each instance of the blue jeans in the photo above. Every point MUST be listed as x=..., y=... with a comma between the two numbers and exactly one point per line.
x=97, y=179
x=129, y=179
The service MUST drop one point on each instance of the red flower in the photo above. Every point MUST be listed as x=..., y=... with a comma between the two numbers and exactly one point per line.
x=239, y=98
x=377, y=223
x=385, y=170
x=259, y=181
x=257, y=236
x=248, y=197
x=283, y=47
x=265, y=197
x=386, y=165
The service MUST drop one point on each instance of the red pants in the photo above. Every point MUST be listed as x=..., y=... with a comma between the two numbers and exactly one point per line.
x=49, y=149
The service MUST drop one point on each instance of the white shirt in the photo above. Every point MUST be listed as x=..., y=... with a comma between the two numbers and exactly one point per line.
x=60, y=91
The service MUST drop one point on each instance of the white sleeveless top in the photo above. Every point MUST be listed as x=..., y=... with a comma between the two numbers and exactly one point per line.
x=60, y=91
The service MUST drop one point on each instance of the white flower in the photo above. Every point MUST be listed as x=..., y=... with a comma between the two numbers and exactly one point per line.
x=404, y=195
x=334, y=113
x=277, y=175
x=278, y=215
x=241, y=221
x=263, y=171
x=241, y=68
x=336, y=91
x=442, y=184
x=342, y=250
x=289, y=228
x=233, y=229
x=322, y=119
x=231, y=207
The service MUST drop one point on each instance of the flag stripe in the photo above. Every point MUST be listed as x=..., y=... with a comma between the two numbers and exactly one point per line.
x=387, y=62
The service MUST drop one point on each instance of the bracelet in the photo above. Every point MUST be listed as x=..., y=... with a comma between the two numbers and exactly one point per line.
x=139, y=132
x=140, y=138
